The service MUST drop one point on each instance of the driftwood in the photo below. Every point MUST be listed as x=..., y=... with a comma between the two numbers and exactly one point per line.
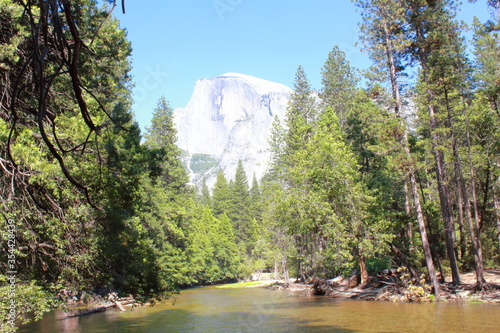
x=113, y=302
x=494, y=296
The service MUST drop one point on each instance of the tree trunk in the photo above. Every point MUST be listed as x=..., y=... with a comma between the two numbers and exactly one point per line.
x=301, y=265
x=463, y=196
x=409, y=224
x=474, y=228
x=286, y=276
x=101, y=308
x=444, y=199
x=460, y=203
x=423, y=236
x=422, y=53
x=363, y=270
x=496, y=201
x=434, y=251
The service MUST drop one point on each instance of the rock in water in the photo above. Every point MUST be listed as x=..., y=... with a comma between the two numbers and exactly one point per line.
x=228, y=118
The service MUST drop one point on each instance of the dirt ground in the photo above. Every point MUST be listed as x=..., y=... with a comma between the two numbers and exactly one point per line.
x=491, y=275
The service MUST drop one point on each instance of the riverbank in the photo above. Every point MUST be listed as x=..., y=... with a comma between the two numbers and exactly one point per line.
x=392, y=286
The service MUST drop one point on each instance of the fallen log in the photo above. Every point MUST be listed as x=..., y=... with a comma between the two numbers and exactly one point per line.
x=119, y=306
x=108, y=305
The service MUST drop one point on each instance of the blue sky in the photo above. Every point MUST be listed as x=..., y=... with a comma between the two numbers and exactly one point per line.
x=177, y=42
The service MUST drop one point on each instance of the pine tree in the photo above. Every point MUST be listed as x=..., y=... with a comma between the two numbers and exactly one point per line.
x=256, y=205
x=339, y=84
x=484, y=119
x=201, y=251
x=239, y=212
x=301, y=114
x=161, y=138
x=206, y=200
x=166, y=201
x=277, y=145
x=437, y=50
x=221, y=195
x=226, y=251
x=383, y=36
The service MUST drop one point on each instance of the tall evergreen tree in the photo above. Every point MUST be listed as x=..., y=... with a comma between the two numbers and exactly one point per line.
x=221, y=195
x=205, y=195
x=301, y=113
x=484, y=120
x=383, y=36
x=161, y=138
x=277, y=145
x=239, y=212
x=256, y=200
x=435, y=42
x=167, y=201
x=339, y=82
x=226, y=250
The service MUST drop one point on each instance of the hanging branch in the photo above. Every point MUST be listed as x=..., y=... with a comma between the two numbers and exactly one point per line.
x=41, y=116
x=73, y=66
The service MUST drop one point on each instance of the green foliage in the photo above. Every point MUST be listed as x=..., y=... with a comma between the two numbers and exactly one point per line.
x=377, y=264
x=65, y=158
x=256, y=204
x=325, y=209
x=13, y=33
x=205, y=198
x=161, y=140
x=212, y=249
x=31, y=302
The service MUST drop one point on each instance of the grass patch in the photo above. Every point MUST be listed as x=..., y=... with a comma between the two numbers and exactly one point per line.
x=239, y=285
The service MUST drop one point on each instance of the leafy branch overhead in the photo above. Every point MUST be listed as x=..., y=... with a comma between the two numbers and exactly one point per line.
x=53, y=51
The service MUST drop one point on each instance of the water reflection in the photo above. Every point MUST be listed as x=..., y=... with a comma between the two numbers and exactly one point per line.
x=260, y=310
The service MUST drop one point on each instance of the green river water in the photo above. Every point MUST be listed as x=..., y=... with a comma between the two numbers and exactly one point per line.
x=209, y=309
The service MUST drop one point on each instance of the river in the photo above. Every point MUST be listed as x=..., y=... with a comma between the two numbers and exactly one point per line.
x=208, y=309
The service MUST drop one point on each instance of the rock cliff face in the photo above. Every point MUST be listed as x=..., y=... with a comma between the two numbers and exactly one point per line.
x=228, y=118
